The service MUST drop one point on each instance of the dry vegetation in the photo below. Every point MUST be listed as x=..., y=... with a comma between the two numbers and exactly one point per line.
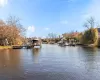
x=11, y=32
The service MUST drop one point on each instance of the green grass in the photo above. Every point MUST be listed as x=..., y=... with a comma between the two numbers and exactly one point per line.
x=5, y=47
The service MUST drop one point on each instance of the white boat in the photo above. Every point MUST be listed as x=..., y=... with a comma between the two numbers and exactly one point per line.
x=66, y=44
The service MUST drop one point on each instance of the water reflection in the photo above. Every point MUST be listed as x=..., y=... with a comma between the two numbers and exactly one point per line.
x=10, y=63
x=35, y=54
x=10, y=58
x=74, y=63
x=89, y=56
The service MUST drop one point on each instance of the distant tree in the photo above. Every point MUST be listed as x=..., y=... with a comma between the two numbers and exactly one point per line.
x=52, y=35
x=90, y=23
x=90, y=36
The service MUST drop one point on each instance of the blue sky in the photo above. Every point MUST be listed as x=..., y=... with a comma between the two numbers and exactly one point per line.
x=41, y=17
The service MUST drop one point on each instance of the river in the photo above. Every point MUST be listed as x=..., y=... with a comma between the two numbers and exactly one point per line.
x=51, y=62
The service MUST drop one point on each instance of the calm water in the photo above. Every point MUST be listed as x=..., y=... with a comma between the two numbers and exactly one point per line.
x=51, y=62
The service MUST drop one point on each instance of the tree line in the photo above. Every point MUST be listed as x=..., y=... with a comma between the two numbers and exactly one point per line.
x=87, y=37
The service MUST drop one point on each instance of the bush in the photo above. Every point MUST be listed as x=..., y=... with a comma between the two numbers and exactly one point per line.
x=90, y=36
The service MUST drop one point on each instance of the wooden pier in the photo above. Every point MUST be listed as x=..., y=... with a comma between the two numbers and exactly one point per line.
x=20, y=47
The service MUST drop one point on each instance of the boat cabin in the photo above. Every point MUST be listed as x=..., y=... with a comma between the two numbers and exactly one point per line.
x=36, y=42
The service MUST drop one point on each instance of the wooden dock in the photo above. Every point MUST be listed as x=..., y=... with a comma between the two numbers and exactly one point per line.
x=20, y=47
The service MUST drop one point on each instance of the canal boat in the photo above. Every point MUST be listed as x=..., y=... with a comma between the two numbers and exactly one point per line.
x=63, y=43
x=36, y=42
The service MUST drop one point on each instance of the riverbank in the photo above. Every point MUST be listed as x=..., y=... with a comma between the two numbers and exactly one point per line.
x=5, y=47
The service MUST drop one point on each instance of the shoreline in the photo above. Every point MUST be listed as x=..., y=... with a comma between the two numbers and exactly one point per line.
x=87, y=46
x=5, y=47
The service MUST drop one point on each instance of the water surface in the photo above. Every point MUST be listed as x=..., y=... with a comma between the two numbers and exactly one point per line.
x=51, y=62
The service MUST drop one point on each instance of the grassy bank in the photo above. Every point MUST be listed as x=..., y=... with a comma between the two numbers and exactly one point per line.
x=5, y=47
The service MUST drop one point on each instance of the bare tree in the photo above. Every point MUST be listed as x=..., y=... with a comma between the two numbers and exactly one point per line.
x=15, y=22
x=11, y=31
x=90, y=23
x=52, y=35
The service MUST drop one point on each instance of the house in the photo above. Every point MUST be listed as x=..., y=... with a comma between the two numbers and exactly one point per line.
x=71, y=35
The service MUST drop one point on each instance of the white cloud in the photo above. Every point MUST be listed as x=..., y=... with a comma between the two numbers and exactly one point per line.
x=3, y=3
x=46, y=29
x=64, y=22
x=31, y=29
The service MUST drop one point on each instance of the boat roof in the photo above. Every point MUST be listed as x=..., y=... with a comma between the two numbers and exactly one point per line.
x=35, y=40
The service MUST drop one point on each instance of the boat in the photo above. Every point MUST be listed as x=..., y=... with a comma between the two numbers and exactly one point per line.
x=66, y=44
x=36, y=42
